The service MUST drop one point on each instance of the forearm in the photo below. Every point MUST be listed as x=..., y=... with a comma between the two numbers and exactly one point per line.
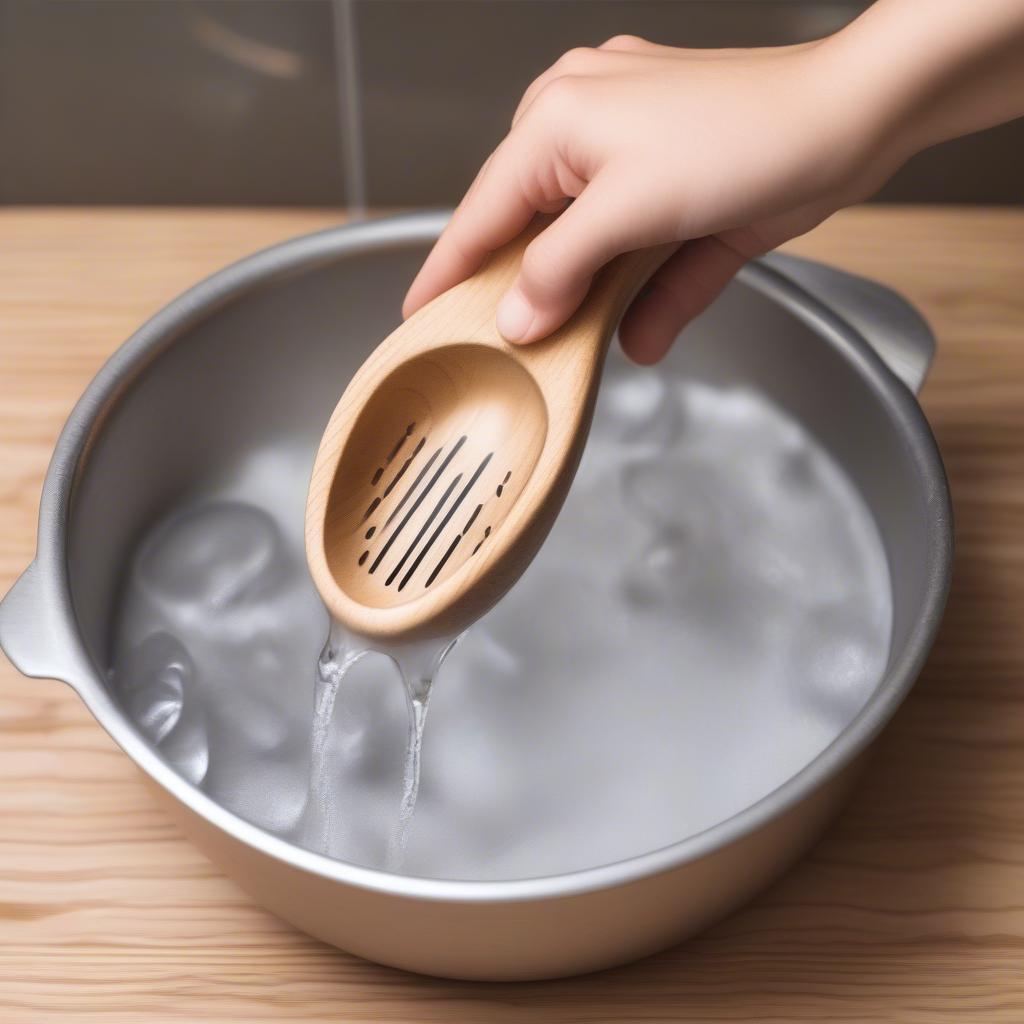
x=934, y=71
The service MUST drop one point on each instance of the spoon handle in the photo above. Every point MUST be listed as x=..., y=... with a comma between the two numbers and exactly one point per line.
x=614, y=286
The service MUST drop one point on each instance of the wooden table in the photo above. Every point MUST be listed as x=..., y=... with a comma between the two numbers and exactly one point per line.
x=911, y=909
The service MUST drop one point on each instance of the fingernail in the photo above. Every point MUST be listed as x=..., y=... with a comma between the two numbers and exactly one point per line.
x=515, y=316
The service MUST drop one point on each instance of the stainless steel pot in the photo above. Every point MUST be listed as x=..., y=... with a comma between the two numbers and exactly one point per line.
x=253, y=353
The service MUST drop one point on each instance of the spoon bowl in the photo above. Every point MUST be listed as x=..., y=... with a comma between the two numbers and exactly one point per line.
x=447, y=459
x=435, y=461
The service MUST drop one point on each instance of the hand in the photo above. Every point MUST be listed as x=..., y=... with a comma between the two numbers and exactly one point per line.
x=728, y=152
x=731, y=152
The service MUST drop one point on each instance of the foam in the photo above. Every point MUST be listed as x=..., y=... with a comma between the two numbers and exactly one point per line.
x=710, y=611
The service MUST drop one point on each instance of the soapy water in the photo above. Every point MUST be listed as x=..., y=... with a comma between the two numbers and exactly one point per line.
x=710, y=611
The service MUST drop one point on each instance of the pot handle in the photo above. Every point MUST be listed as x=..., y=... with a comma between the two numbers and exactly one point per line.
x=889, y=324
x=28, y=635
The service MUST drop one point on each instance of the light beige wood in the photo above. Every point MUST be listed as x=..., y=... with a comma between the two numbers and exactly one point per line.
x=910, y=910
x=450, y=453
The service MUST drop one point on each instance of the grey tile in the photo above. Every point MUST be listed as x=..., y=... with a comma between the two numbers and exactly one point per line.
x=981, y=168
x=168, y=101
x=246, y=101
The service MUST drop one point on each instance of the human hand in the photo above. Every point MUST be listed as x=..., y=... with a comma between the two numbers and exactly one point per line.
x=731, y=152
x=728, y=152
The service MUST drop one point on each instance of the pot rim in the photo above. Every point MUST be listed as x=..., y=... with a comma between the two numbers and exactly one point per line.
x=85, y=422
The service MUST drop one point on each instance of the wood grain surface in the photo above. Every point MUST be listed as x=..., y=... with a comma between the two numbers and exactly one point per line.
x=911, y=908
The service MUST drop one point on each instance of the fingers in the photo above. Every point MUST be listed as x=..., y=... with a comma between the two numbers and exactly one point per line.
x=683, y=287
x=576, y=63
x=559, y=264
x=692, y=279
x=493, y=211
x=618, y=54
x=524, y=175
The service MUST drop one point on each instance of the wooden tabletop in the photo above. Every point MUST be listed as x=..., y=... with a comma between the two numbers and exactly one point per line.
x=911, y=908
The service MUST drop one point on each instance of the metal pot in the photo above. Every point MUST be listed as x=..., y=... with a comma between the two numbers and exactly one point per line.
x=219, y=371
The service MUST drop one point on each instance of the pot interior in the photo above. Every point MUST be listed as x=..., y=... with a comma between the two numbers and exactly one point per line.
x=739, y=561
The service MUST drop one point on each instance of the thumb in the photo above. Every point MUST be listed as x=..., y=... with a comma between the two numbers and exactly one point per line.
x=560, y=262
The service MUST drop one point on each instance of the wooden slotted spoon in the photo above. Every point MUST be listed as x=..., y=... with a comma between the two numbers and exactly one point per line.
x=446, y=461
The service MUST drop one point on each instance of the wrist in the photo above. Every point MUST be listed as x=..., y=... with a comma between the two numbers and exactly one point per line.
x=923, y=81
x=879, y=101
x=858, y=123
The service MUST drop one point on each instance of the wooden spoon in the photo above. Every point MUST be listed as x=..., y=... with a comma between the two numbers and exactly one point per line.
x=451, y=451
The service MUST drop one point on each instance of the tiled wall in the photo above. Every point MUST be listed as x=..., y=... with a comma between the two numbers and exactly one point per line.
x=164, y=101
x=330, y=101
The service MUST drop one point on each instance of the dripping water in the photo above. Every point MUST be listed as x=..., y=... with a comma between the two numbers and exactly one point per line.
x=418, y=665
x=335, y=661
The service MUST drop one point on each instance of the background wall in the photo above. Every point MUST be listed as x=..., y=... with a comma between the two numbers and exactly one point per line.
x=311, y=102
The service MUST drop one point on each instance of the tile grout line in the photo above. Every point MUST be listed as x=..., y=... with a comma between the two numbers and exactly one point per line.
x=350, y=115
